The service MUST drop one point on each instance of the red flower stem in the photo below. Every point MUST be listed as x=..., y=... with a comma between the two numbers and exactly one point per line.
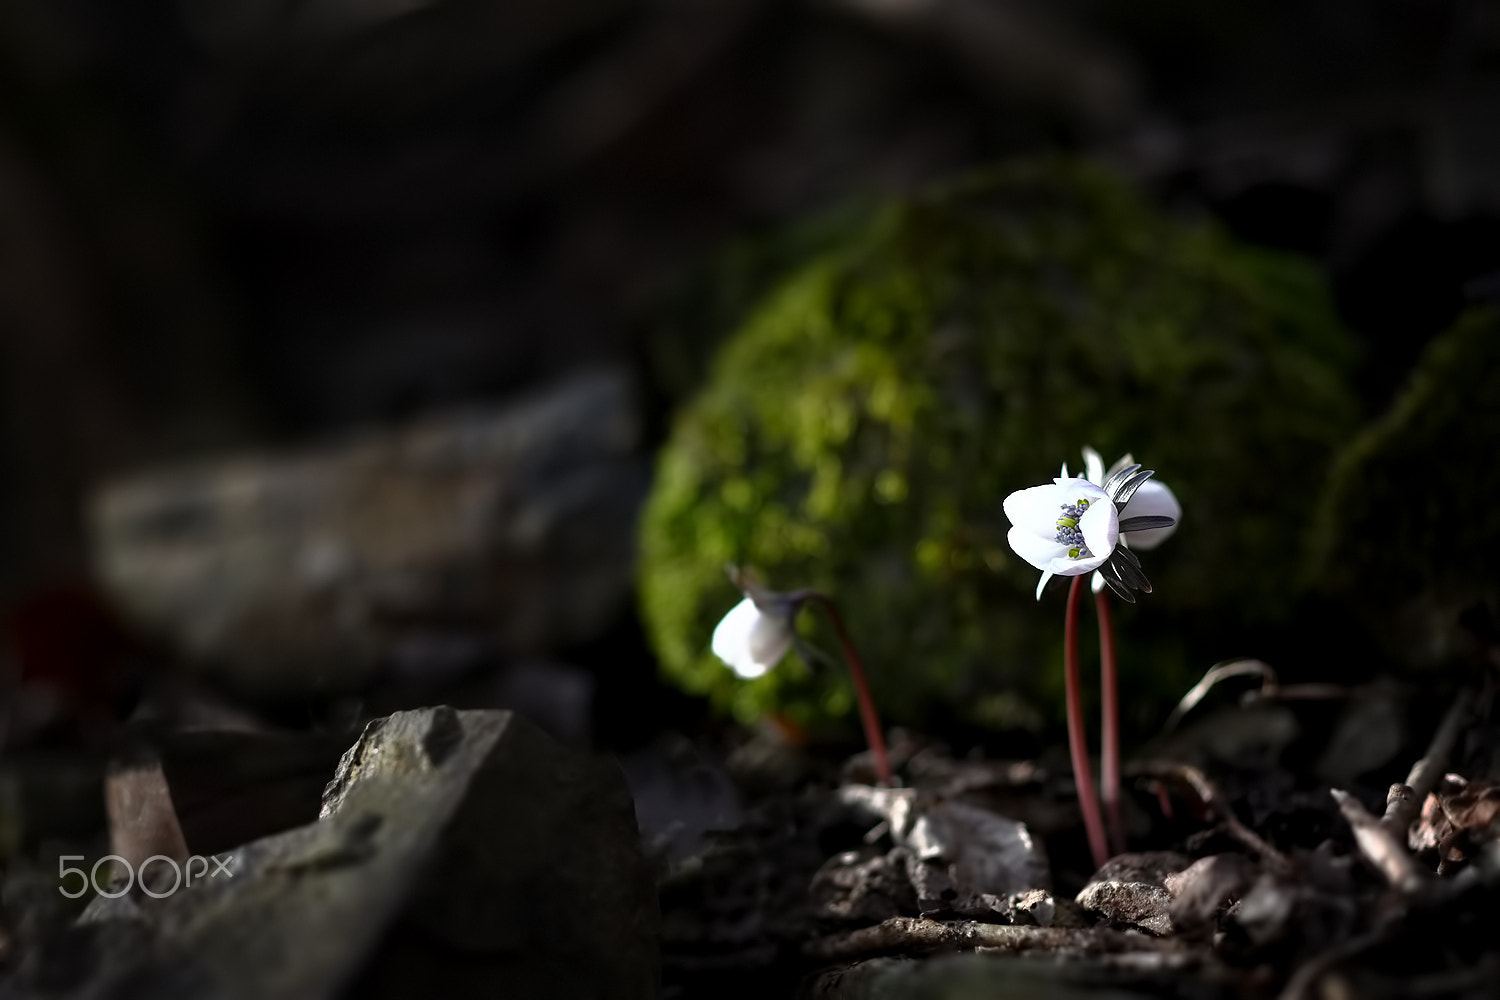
x=1083, y=778
x=1109, y=683
x=861, y=688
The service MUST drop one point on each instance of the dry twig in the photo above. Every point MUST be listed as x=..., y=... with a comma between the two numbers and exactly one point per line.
x=1378, y=846
x=1405, y=801
x=1209, y=794
x=905, y=935
x=1220, y=672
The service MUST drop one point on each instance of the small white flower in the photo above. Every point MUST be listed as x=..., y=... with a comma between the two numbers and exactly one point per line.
x=1065, y=529
x=1078, y=526
x=755, y=635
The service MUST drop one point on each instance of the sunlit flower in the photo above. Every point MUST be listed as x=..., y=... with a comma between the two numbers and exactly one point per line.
x=1065, y=529
x=756, y=633
x=1074, y=526
x=1153, y=498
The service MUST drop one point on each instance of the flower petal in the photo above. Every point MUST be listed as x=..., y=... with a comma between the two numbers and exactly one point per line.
x=1153, y=498
x=1036, y=550
x=1047, y=574
x=1100, y=525
x=1093, y=466
x=1051, y=556
x=1097, y=583
x=751, y=641
x=1036, y=509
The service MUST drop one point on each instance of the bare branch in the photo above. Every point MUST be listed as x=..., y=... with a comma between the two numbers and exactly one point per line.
x=1378, y=846
x=1405, y=801
x=1209, y=794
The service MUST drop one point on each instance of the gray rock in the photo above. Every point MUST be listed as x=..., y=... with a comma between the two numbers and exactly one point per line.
x=1129, y=890
x=1132, y=904
x=978, y=851
x=508, y=529
x=456, y=851
x=988, y=853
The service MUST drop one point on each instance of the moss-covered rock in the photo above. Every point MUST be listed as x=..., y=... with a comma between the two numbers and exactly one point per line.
x=859, y=433
x=1408, y=533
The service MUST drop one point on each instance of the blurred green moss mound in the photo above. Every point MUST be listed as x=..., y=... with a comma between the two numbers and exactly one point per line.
x=860, y=431
x=1409, y=531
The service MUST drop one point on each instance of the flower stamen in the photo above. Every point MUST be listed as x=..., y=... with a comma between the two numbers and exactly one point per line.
x=1068, y=532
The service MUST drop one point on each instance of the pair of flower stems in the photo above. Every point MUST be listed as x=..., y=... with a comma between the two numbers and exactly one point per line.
x=1078, y=751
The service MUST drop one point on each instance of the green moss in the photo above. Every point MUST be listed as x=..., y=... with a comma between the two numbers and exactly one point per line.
x=860, y=431
x=1408, y=527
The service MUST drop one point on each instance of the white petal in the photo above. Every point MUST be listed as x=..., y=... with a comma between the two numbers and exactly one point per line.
x=1093, y=466
x=1097, y=584
x=1100, y=525
x=751, y=641
x=770, y=640
x=1037, y=550
x=1067, y=566
x=1050, y=555
x=1079, y=488
x=1046, y=575
x=1152, y=498
x=1035, y=509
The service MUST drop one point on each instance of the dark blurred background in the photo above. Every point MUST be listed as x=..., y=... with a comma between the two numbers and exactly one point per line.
x=236, y=226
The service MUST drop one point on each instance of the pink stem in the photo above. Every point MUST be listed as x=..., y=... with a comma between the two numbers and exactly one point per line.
x=861, y=689
x=1109, y=682
x=1083, y=777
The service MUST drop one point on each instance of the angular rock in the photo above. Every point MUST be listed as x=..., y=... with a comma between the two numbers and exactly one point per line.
x=1133, y=904
x=987, y=853
x=458, y=853
x=508, y=529
x=1129, y=890
x=959, y=850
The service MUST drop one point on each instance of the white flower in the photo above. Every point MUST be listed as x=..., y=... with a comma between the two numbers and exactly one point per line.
x=754, y=636
x=1078, y=526
x=1065, y=529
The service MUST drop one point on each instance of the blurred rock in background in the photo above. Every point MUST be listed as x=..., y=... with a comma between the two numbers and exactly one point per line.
x=423, y=549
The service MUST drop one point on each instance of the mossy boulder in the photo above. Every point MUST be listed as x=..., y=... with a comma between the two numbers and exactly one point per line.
x=860, y=431
x=1408, y=532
